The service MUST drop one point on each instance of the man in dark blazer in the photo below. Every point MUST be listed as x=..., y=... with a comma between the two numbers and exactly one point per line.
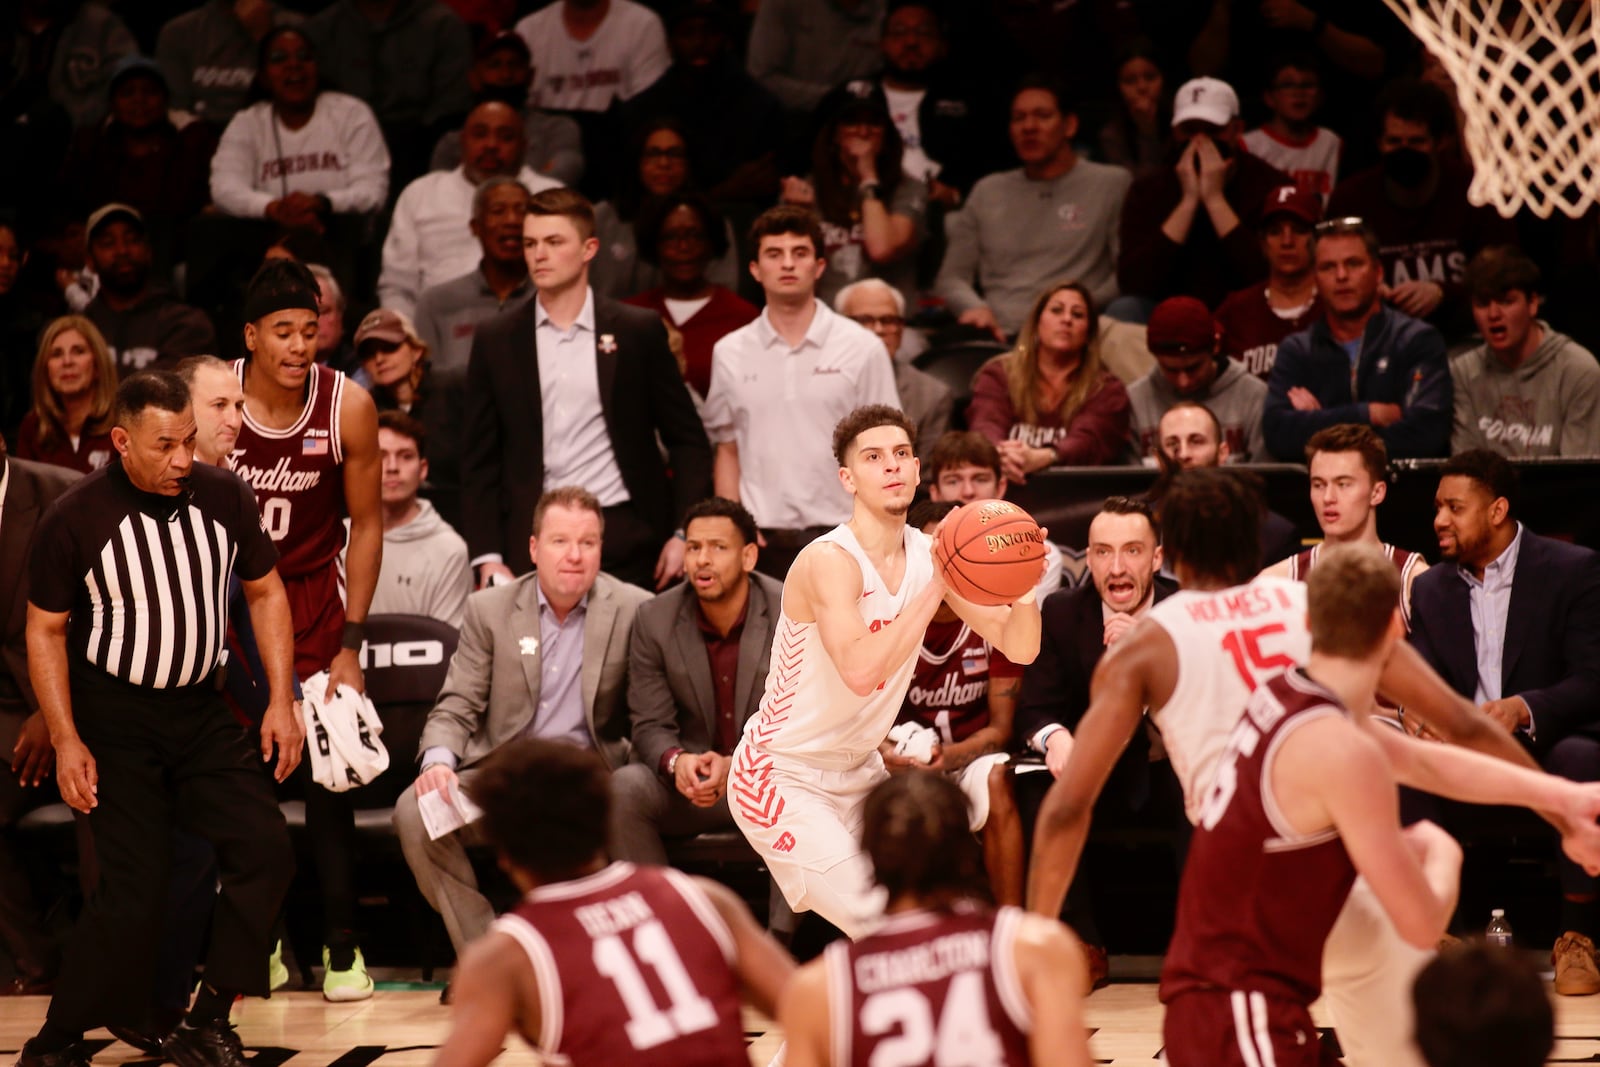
x=1512, y=620
x=1079, y=623
x=26, y=489
x=574, y=389
x=697, y=667
x=545, y=655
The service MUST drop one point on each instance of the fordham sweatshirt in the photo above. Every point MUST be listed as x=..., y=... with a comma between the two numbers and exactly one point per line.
x=340, y=154
x=1545, y=407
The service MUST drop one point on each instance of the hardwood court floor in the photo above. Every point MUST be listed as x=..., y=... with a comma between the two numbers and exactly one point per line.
x=404, y=1028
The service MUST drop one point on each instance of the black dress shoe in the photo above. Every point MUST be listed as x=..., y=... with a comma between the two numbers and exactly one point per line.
x=35, y=985
x=142, y=1038
x=71, y=1056
x=208, y=1045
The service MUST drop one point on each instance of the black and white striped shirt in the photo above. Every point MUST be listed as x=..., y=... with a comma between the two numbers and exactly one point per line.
x=145, y=577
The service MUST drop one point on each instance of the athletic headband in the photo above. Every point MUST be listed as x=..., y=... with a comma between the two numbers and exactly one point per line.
x=281, y=285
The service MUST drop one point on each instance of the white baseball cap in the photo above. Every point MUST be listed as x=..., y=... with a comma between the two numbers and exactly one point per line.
x=1205, y=100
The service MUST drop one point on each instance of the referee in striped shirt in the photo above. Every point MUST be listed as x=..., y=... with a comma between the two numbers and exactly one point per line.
x=127, y=619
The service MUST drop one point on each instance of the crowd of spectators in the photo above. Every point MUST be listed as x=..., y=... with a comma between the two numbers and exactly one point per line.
x=753, y=218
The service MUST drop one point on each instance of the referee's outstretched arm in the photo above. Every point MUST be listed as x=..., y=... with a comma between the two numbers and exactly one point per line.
x=269, y=614
x=47, y=670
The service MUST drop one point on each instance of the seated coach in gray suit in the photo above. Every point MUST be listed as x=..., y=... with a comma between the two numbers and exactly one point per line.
x=545, y=655
x=697, y=665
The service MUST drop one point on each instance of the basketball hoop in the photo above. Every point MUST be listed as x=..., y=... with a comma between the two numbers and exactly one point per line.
x=1527, y=75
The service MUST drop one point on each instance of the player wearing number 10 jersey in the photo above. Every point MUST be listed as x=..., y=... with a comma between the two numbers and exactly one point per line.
x=601, y=964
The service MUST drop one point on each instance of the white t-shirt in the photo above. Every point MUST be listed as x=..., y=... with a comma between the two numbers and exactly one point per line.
x=623, y=57
x=684, y=310
x=903, y=109
x=339, y=153
x=1229, y=641
x=1313, y=164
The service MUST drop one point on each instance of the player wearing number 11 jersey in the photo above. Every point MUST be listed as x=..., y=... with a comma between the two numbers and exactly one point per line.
x=601, y=964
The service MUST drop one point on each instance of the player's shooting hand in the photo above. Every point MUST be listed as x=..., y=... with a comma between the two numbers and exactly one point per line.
x=345, y=670
x=669, y=565
x=77, y=776
x=281, y=727
x=1056, y=750
x=1303, y=399
x=33, y=757
x=435, y=776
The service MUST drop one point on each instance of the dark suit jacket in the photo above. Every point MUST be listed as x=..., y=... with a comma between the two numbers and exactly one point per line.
x=670, y=693
x=1552, y=647
x=641, y=395
x=30, y=489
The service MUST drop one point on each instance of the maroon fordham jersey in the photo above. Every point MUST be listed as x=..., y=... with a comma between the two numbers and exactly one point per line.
x=298, y=478
x=930, y=989
x=1252, y=331
x=1257, y=899
x=1405, y=562
x=633, y=966
x=949, y=689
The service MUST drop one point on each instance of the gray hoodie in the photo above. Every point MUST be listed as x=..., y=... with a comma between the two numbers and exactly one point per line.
x=424, y=570
x=1545, y=407
x=1236, y=398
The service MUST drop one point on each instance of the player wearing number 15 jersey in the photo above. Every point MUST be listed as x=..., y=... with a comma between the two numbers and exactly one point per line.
x=601, y=964
x=944, y=981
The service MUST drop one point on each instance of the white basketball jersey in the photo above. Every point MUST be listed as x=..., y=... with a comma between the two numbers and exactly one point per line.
x=807, y=711
x=1229, y=641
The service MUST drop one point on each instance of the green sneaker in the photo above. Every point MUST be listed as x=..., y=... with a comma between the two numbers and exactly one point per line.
x=354, y=984
x=277, y=973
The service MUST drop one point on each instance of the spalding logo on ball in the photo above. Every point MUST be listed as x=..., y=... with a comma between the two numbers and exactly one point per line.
x=991, y=552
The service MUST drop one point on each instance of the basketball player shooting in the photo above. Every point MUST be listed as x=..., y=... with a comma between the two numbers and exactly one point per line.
x=1193, y=663
x=855, y=606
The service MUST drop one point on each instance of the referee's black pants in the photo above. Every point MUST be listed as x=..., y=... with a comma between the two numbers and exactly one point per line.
x=168, y=758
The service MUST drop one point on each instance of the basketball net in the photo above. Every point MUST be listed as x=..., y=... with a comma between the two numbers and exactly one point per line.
x=1527, y=75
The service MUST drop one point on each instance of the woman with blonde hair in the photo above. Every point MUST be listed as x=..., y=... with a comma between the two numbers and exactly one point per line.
x=396, y=361
x=74, y=384
x=1049, y=400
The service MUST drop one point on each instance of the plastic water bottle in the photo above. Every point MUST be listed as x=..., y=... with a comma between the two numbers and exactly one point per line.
x=1498, y=932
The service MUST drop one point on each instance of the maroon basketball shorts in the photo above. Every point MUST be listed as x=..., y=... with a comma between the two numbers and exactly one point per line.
x=316, y=602
x=1237, y=1029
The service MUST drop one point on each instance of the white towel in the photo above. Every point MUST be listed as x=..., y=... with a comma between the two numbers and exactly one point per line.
x=342, y=736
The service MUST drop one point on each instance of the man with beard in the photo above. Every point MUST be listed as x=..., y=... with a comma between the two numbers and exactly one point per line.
x=1511, y=620
x=1256, y=319
x=431, y=239
x=1415, y=199
x=503, y=70
x=1363, y=362
x=710, y=637
x=143, y=325
x=1182, y=336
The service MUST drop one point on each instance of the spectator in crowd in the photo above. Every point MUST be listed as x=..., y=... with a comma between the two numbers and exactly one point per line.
x=680, y=236
x=1138, y=135
x=1290, y=139
x=659, y=168
x=944, y=147
x=800, y=49
x=26, y=491
x=963, y=466
x=1415, y=200
x=1079, y=624
x=965, y=691
x=734, y=125
x=424, y=569
x=143, y=324
x=1361, y=362
x=22, y=317
x=1479, y=1006
x=74, y=384
x=697, y=668
x=771, y=439
x=136, y=156
x=872, y=214
x=1055, y=217
x=408, y=59
x=1256, y=319
x=85, y=42
x=588, y=57
x=1511, y=620
x=543, y=656
x=594, y=403
x=1349, y=477
x=503, y=71
x=396, y=361
x=1528, y=391
x=209, y=54
x=926, y=400
x=1190, y=365
x=430, y=237
x=1049, y=401
x=1191, y=230
x=333, y=348
x=1190, y=436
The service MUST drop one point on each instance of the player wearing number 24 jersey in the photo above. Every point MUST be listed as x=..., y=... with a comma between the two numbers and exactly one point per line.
x=601, y=963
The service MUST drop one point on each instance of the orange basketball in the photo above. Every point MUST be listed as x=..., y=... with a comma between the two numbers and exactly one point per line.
x=990, y=552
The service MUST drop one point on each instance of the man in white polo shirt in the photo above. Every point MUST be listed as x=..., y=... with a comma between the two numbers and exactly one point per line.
x=779, y=386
